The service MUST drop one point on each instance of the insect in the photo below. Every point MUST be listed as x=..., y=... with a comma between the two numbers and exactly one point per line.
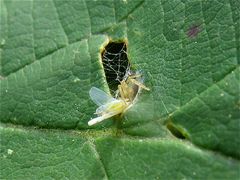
x=108, y=106
x=124, y=98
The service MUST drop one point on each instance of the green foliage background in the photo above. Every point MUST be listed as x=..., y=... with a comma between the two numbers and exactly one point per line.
x=50, y=58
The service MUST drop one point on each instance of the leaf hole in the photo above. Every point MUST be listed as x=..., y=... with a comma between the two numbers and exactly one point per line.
x=115, y=62
x=177, y=131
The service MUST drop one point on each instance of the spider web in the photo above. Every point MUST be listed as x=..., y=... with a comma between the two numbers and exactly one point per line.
x=115, y=63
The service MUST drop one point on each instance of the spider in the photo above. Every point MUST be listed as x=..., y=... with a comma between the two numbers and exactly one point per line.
x=130, y=86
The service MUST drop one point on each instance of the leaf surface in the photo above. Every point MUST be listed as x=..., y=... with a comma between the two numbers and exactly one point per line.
x=185, y=127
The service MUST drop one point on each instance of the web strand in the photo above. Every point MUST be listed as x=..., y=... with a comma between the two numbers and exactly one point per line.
x=115, y=62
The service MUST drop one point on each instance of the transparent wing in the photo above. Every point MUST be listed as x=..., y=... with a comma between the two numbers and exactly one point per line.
x=101, y=109
x=99, y=97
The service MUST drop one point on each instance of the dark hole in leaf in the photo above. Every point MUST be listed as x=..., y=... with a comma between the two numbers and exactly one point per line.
x=175, y=131
x=115, y=63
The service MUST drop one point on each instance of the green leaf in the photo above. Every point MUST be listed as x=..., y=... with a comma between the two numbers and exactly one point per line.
x=43, y=154
x=185, y=127
x=212, y=118
x=38, y=154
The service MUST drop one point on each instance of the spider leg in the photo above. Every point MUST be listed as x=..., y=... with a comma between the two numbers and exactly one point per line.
x=124, y=92
x=139, y=84
x=135, y=76
x=121, y=91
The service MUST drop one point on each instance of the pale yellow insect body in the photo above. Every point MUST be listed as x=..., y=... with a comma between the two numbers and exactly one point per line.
x=108, y=106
